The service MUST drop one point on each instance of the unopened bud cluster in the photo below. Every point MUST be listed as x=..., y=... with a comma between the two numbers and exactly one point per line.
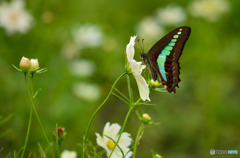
x=26, y=64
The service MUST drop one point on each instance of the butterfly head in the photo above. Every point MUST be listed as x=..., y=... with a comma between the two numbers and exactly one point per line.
x=144, y=58
x=143, y=55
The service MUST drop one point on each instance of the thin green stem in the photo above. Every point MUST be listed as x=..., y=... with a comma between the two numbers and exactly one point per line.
x=137, y=139
x=131, y=106
x=90, y=122
x=120, y=134
x=32, y=84
x=35, y=111
x=57, y=142
x=129, y=89
x=138, y=101
x=120, y=98
x=29, y=122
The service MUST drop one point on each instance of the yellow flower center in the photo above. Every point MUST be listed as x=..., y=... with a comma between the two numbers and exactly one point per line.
x=110, y=144
x=13, y=16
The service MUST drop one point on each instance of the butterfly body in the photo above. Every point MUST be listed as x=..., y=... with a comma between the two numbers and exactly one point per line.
x=162, y=58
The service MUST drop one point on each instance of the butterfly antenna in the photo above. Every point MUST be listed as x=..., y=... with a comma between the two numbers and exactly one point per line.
x=140, y=45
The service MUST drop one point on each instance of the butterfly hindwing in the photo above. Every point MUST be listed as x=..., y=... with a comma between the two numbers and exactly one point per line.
x=164, y=56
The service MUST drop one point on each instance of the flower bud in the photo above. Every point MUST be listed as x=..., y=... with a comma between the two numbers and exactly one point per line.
x=25, y=64
x=154, y=83
x=158, y=156
x=61, y=134
x=146, y=118
x=34, y=64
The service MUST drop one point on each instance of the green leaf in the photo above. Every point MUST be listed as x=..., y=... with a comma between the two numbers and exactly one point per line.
x=36, y=93
x=8, y=155
x=7, y=118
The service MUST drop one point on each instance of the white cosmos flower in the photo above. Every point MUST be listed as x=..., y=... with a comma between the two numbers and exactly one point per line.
x=171, y=15
x=136, y=69
x=112, y=132
x=88, y=35
x=211, y=10
x=69, y=154
x=14, y=17
x=149, y=29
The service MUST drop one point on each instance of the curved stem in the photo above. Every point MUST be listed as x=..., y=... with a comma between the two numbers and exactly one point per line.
x=29, y=123
x=137, y=139
x=120, y=134
x=90, y=122
x=131, y=106
x=35, y=111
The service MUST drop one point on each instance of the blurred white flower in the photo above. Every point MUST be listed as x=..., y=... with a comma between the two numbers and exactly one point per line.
x=82, y=68
x=149, y=29
x=136, y=69
x=88, y=35
x=171, y=15
x=69, y=154
x=70, y=50
x=211, y=10
x=87, y=91
x=14, y=17
x=112, y=132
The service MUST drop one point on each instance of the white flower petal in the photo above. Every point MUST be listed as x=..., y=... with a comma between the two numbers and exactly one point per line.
x=125, y=140
x=69, y=154
x=113, y=131
x=129, y=154
x=143, y=87
x=100, y=141
x=130, y=48
x=136, y=67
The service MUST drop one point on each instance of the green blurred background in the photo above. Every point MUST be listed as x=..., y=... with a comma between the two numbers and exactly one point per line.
x=204, y=113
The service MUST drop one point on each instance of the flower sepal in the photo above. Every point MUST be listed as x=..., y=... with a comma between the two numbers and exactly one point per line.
x=37, y=71
x=17, y=68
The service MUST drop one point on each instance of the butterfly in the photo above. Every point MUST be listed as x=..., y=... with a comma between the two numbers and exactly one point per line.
x=162, y=58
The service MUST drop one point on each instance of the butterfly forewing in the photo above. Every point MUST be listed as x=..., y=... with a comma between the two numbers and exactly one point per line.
x=164, y=56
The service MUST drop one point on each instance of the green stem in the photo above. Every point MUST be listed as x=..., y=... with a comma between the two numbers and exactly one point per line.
x=29, y=122
x=57, y=142
x=90, y=122
x=32, y=85
x=137, y=139
x=120, y=134
x=35, y=111
x=129, y=89
x=131, y=106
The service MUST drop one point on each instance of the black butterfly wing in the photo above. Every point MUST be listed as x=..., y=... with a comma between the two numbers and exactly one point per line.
x=164, y=56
